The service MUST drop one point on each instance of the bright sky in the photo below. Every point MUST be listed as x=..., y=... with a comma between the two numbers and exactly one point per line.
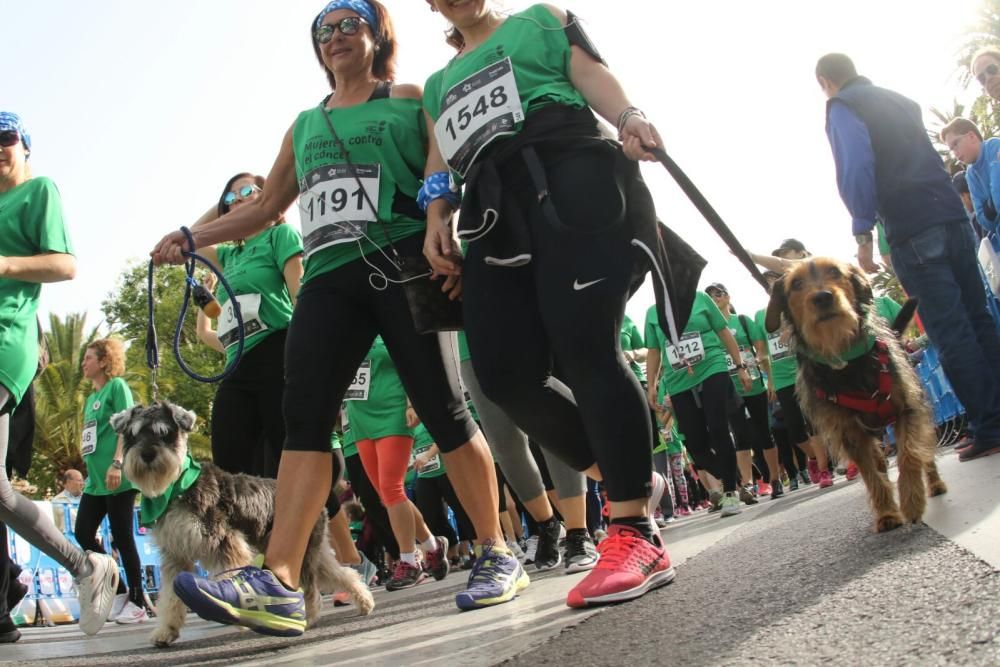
x=141, y=111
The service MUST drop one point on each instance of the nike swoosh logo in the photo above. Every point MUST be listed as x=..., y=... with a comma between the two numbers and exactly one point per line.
x=577, y=285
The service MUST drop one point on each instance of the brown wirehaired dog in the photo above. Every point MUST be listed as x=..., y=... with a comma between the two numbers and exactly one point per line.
x=854, y=379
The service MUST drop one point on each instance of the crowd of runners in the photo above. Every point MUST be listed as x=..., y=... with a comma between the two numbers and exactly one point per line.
x=552, y=431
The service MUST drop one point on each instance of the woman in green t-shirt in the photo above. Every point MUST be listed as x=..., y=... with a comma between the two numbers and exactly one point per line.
x=107, y=493
x=356, y=163
x=696, y=385
x=548, y=271
x=265, y=272
x=35, y=249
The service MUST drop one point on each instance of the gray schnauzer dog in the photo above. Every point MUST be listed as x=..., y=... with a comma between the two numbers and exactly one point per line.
x=221, y=520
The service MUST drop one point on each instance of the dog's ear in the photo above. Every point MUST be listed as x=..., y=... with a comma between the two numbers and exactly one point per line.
x=185, y=418
x=775, y=307
x=120, y=420
x=862, y=287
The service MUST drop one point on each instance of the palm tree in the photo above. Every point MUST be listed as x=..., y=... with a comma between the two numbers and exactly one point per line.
x=59, y=393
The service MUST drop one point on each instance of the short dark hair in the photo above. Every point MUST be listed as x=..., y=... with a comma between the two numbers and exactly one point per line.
x=837, y=68
x=961, y=126
x=384, y=64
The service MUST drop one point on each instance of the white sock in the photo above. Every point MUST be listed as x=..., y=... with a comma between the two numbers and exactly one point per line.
x=430, y=544
x=409, y=558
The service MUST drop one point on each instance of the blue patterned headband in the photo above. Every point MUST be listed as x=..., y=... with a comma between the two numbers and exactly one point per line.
x=361, y=7
x=11, y=121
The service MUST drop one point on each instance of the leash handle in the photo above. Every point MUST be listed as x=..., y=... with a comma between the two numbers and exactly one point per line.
x=152, y=347
x=709, y=213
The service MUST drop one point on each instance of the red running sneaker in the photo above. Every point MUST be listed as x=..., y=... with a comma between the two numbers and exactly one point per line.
x=629, y=566
x=813, y=471
x=825, y=479
x=852, y=471
x=763, y=488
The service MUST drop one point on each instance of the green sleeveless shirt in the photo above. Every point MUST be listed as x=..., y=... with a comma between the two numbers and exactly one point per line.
x=386, y=141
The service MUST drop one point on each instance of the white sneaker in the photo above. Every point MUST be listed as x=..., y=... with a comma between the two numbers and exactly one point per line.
x=96, y=592
x=658, y=486
x=118, y=605
x=131, y=614
x=515, y=549
x=529, y=553
x=730, y=504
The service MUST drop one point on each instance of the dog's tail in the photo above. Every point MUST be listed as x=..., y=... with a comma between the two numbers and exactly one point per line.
x=902, y=321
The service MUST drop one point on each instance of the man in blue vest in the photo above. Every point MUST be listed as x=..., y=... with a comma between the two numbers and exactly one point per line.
x=886, y=165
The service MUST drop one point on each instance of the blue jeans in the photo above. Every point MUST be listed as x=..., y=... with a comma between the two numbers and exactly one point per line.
x=939, y=267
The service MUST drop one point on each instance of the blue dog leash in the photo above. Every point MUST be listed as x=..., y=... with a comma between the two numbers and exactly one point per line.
x=152, y=348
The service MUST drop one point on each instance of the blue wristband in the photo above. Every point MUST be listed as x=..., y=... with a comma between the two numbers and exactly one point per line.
x=437, y=186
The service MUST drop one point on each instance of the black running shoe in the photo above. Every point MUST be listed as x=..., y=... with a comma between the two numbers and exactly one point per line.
x=436, y=563
x=580, y=554
x=776, y=489
x=405, y=576
x=547, y=554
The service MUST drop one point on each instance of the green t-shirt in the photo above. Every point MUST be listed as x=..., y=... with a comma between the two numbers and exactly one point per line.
x=380, y=411
x=748, y=352
x=473, y=99
x=387, y=142
x=335, y=441
x=349, y=444
x=255, y=271
x=887, y=307
x=631, y=340
x=883, y=243
x=31, y=223
x=699, y=345
x=422, y=441
x=99, y=440
x=784, y=366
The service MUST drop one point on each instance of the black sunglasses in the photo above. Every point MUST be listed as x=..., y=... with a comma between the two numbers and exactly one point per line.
x=348, y=26
x=990, y=70
x=8, y=138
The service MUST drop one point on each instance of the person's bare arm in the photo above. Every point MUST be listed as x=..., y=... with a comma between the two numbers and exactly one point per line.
x=293, y=276
x=52, y=267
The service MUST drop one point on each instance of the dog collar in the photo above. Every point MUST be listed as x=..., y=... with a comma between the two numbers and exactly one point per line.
x=151, y=509
x=878, y=403
x=856, y=351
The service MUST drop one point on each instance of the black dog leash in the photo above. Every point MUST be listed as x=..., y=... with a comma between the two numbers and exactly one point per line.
x=713, y=218
x=152, y=348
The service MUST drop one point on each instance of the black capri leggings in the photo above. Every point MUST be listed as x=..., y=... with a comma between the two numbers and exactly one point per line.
x=432, y=494
x=564, y=307
x=248, y=429
x=333, y=500
x=795, y=422
x=119, y=508
x=337, y=316
x=701, y=417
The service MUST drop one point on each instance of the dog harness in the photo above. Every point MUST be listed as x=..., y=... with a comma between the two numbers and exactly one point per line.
x=878, y=403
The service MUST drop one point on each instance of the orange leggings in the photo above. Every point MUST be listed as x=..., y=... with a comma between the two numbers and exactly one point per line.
x=385, y=461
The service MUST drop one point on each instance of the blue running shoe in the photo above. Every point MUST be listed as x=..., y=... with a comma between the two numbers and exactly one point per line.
x=247, y=596
x=497, y=577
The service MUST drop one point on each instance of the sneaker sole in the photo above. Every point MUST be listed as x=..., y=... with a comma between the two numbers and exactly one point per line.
x=542, y=567
x=219, y=611
x=572, y=568
x=390, y=587
x=104, y=609
x=725, y=513
x=654, y=581
x=965, y=454
x=466, y=602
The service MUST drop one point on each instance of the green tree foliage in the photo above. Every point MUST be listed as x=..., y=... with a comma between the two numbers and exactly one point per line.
x=126, y=311
x=59, y=394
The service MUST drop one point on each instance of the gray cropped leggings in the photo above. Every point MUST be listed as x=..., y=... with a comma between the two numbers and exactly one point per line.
x=510, y=448
x=24, y=517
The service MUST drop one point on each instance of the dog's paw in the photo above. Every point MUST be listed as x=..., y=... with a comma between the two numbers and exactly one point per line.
x=164, y=637
x=364, y=602
x=938, y=488
x=888, y=522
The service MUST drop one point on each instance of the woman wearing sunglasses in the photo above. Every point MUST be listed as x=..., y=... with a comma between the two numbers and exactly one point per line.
x=359, y=211
x=35, y=249
x=264, y=270
x=548, y=272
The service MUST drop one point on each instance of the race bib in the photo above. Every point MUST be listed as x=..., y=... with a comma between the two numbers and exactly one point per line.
x=229, y=331
x=688, y=351
x=475, y=112
x=88, y=442
x=433, y=464
x=779, y=349
x=358, y=391
x=332, y=206
x=749, y=360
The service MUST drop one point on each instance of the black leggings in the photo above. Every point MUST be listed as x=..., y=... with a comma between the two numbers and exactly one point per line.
x=703, y=421
x=119, y=508
x=333, y=500
x=337, y=316
x=432, y=493
x=754, y=434
x=795, y=422
x=374, y=510
x=248, y=429
x=565, y=307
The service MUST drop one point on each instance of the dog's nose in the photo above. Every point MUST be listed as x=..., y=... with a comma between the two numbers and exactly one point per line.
x=148, y=455
x=823, y=299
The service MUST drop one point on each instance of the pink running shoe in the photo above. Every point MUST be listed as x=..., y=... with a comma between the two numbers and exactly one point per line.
x=825, y=479
x=852, y=471
x=813, y=471
x=683, y=510
x=628, y=568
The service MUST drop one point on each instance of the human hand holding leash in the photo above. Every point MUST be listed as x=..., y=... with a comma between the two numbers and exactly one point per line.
x=638, y=135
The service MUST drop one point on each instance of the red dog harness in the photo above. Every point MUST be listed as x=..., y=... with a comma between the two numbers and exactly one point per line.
x=878, y=403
